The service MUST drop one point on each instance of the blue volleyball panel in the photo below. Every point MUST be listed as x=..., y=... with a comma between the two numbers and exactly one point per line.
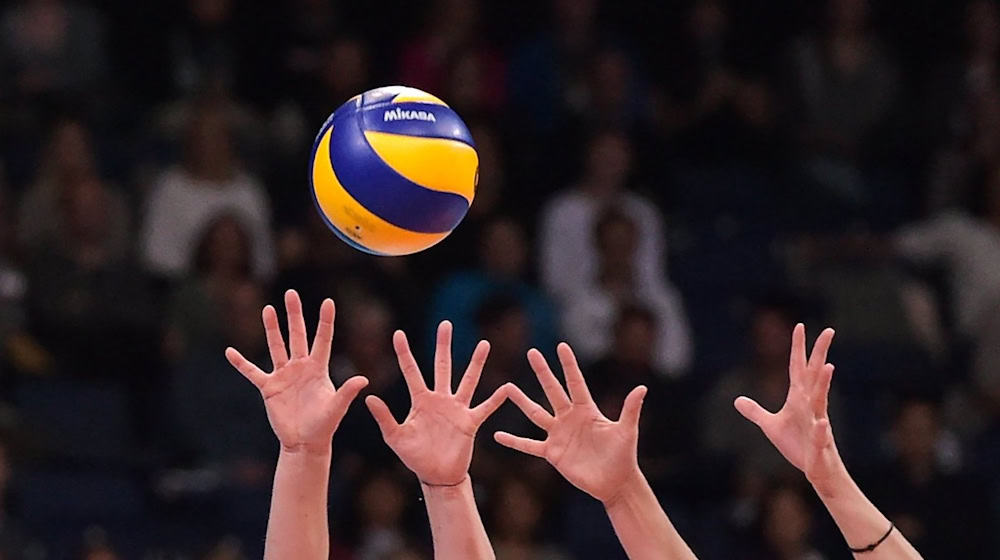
x=386, y=193
x=413, y=119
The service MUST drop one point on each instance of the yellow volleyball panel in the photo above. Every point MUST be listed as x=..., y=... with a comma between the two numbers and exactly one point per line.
x=438, y=164
x=415, y=95
x=355, y=221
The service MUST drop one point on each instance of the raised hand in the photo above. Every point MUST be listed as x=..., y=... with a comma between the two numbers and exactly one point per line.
x=302, y=404
x=801, y=429
x=435, y=440
x=597, y=455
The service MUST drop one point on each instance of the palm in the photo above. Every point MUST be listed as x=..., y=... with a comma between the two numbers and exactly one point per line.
x=595, y=454
x=801, y=429
x=435, y=440
x=302, y=405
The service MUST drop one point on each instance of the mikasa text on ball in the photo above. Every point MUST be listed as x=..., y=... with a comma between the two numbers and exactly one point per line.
x=393, y=171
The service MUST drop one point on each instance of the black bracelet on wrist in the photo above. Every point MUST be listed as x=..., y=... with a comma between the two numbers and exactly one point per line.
x=875, y=544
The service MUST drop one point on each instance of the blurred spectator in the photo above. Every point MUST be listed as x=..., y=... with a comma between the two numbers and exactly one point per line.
x=845, y=88
x=364, y=347
x=549, y=72
x=211, y=181
x=516, y=528
x=217, y=414
x=589, y=318
x=97, y=545
x=716, y=109
x=17, y=351
x=87, y=300
x=503, y=260
x=615, y=97
x=764, y=378
x=966, y=245
x=452, y=56
x=786, y=525
x=630, y=362
x=222, y=262
x=204, y=50
x=378, y=518
x=52, y=50
x=922, y=485
x=68, y=158
x=569, y=257
x=341, y=72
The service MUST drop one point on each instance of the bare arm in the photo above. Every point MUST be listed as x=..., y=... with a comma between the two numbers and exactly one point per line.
x=304, y=409
x=598, y=456
x=435, y=442
x=801, y=432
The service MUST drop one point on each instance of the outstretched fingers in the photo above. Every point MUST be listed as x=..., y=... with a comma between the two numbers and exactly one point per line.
x=348, y=392
x=821, y=348
x=275, y=342
x=407, y=364
x=297, y=342
x=244, y=366
x=518, y=443
x=538, y=415
x=797, y=361
x=442, y=359
x=324, y=332
x=382, y=415
x=752, y=411
x=575, y=382
x=489, y=406
x=553, y=390
x=467, y=387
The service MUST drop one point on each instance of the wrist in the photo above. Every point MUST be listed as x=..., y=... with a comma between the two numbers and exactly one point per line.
x=834, y=484
x=445, y=490
x=307, y=449
x=630, y=488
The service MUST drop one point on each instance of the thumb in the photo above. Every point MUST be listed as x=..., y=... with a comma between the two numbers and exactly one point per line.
x=752, y=411
x=349, y=391
x=822, y=434
x=633, y=406
x=383, y=417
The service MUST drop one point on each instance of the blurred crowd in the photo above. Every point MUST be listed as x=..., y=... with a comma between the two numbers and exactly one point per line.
x=669, y=186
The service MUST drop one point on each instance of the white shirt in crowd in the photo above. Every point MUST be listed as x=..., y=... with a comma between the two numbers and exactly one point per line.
x=569, y=257
x=181, y=207
x=970, y=250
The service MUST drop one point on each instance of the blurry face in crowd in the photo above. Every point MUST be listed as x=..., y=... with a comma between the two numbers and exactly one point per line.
x=503, y=250
x=916, y=432
x=518, y=510
x=982, y=27
x=369, y=335
x=611, y=75
x=787, y=520
x=708, y=20
x=210, y=149
x=457, y=18
x=617, y=240
x=575, y=15
x=635, y=340
x=609, y=162
x=382, y=502
x=225, y=249
x=210, y=12
x=770, y=333
x=244, y=303
x=509, y=335
x=70, y=150
x=345, y=71
x=85, y=201
x=848, y=16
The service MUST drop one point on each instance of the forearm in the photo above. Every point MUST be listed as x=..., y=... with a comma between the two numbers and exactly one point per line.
x=642, y=526
x=456, y=527
x=297, y=526
x=861, y=522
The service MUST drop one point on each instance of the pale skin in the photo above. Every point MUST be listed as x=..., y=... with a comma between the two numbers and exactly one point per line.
x=435, y=441
x=801, y=432
x=597, y=455
x=304, y=409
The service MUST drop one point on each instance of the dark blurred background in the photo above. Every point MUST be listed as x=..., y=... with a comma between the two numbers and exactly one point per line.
x=667, y=185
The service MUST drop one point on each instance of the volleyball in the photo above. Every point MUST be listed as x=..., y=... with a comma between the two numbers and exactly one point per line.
x=393, y=171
